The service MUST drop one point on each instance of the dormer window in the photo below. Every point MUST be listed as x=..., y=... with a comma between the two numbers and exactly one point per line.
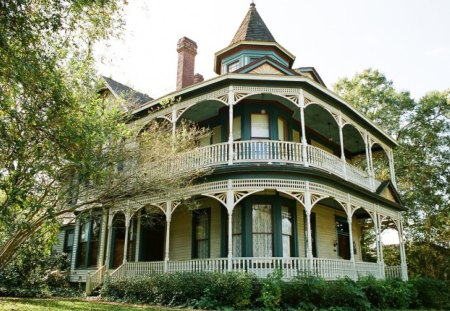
x=233, y=66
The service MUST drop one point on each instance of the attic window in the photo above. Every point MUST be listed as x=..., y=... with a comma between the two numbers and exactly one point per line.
x=233, y=66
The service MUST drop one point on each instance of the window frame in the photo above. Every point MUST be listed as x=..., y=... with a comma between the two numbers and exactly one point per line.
x=195, y=248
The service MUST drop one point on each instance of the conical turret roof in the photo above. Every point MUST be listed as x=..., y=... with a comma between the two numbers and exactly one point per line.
x=253, y=28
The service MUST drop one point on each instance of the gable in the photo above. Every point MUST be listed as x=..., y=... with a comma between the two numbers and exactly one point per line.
x=388, y=194
x=266, y=69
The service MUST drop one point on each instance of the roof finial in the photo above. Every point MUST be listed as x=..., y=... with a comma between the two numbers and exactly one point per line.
x=252, y=4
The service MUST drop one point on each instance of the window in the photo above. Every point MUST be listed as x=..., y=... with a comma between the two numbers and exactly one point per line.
x=237, y=231
x=68, y=243
x=343, y=238
x=201, y=229
x=217, y=134
x=262, y=230
x=94, y=240
x=82, y=245
x=287, y=231
x=296, y=136
x=260, y=126
x=205, y=140
x=88, y=244
x=282, y=129
x=237, y=135
x=233, y=66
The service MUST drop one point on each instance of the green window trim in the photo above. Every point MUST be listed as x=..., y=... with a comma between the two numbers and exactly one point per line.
x=195, y=218
x=89, y=221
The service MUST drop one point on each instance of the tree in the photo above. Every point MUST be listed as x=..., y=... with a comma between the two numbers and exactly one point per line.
x=62, y=146
x=422, y=159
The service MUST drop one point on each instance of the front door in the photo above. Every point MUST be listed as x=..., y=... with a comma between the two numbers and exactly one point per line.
x=118, y=240
x=343, y=240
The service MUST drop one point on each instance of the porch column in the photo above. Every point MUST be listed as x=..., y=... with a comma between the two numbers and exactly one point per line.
x=369, y=161
x=404, y=268
x=174, y=122
x=302, y=121
x=103, y=238
x=308, y=207
x=341, y=142
x=138, y=236
x=127, y=227
x=392, y=168
x=168, y=220
x=230, y=124
x=108, y=245
x=380, y=245
x=230, y=207
x=352, y=251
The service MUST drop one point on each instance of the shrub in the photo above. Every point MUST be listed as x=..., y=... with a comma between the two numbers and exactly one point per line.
x=271, y=290
x=399, y=294
x=375, y=291
x=431, y=293
x=200, y=290
x=304, y=292
x=345, y=293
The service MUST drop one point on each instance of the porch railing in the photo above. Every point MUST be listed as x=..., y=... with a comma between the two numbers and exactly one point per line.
x=392, y=272
x=268, y=151
x=95, y=279
x=329, y=269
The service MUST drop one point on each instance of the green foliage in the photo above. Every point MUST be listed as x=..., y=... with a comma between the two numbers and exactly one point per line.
x=431, y=293
x=35, y=272
x=200, y=290
x=271, y=290
x=422, y=162
x=238, y=291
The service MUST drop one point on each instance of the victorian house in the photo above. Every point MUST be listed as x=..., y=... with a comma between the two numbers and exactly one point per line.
x=293, y=182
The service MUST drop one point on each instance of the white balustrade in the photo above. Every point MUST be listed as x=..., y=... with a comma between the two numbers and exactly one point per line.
x=392, y=272
x=368, y=268
x=329, y=269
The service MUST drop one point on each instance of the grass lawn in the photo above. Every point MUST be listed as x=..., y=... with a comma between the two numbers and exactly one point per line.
x=61, y=304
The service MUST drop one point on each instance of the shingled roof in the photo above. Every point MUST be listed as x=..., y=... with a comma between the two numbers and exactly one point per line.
x=253, y=28
x=132, y=96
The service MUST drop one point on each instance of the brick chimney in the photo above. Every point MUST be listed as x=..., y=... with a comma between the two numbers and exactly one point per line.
x=187, y=49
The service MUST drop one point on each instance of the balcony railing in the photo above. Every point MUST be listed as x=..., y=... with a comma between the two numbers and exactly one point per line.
x=329, y=269
x=265, y=151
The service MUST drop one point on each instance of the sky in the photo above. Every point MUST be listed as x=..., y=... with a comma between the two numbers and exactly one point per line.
x=407, y=40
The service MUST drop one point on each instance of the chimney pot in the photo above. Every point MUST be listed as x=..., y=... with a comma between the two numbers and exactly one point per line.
x=198, y=78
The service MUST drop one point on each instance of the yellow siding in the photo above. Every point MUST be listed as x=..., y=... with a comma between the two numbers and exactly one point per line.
x=319, y=145
x=388, y=194
x=181, y=231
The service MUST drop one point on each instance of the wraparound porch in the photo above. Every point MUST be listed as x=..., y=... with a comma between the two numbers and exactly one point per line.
x=329, y=269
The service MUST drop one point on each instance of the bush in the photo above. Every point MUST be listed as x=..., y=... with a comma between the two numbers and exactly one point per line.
x=304, y=292
x=431, y=293
x=36, y=276
x=345, y=293
x=375, y=291
x=200, y=290
x=399, y=294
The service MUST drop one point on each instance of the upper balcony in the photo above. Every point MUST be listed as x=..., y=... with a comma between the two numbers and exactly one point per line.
x=273, y=152
x=279, y=125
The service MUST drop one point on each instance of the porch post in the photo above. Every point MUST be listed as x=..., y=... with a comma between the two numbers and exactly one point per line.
x=103, y=238
x=380, y=245
x=138, y=236
x=404, y=268
x=308, y=208
x=341, y=142
x=230, y=207
x=392, y=168
x=352, y=251
x=302, y=121
x=174, y=122
x=168, y=220
x=230, y=125
x=369, y=161
x=127, y=227
x=108, y=245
